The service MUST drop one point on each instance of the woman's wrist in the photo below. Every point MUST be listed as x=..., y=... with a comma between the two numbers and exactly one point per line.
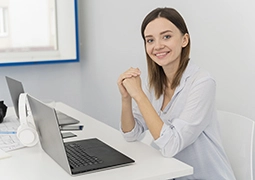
x=139, y=97
x=126, y=99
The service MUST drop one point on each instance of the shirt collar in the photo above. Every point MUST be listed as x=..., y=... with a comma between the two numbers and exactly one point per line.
x=189, y=71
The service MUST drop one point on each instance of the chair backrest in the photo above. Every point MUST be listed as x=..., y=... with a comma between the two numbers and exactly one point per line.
x=237, y=134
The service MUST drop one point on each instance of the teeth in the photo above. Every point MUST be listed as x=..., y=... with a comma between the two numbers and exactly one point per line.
x=161, y=54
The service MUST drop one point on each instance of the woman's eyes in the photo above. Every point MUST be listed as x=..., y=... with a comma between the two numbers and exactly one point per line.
x=149, y=40
x=166, y=36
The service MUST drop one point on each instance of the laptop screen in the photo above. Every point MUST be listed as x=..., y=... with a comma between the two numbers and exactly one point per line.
x=15, y=89
x=48, y=131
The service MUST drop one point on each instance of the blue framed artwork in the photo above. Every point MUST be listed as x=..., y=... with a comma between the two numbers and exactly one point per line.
x=38, y=32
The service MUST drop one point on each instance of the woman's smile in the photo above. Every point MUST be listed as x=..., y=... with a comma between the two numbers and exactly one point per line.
x=161, y=55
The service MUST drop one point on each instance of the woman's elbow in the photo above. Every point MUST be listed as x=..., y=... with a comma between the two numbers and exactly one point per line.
x=170, y=150
x=167, y=154
x=129, y=139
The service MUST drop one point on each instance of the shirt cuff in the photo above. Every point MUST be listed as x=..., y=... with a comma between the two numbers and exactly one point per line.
x=129, y=136
x=169, y=132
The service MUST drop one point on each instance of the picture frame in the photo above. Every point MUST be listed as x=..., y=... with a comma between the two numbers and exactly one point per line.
x=61, y=20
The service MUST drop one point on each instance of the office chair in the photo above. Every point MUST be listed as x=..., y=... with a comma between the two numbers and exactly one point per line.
x=237, y=134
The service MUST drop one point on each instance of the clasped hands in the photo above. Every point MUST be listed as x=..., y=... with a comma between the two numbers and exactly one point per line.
x=129, y=83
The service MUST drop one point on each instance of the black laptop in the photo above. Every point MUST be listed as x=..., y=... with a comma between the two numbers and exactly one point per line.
x=16, y=88
x=74, y=157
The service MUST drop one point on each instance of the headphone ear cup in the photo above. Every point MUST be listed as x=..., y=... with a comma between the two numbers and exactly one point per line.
x=27, y=134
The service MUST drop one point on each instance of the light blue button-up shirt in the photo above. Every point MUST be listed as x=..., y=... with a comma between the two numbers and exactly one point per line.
x=191, y=131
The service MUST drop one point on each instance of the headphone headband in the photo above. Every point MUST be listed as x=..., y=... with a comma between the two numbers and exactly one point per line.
x=26, y=132
x=23, y=108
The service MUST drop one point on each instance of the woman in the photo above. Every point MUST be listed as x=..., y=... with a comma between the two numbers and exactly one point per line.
x=178, y=107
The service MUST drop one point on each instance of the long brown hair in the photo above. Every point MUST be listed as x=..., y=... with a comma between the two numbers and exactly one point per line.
x=157, y=78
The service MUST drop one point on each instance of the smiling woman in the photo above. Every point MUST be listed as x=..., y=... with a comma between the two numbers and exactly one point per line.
x=43, y=31
x=177, y=105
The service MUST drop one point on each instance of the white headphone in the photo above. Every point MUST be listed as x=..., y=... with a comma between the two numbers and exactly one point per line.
x=26, y=132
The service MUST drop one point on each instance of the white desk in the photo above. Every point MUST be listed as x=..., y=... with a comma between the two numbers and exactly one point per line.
x=34, y=164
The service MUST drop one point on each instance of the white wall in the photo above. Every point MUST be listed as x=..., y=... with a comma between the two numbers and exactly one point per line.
x=60, y=82
x=222, y=42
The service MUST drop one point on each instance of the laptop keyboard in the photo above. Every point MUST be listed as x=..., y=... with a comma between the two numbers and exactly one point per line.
x=78, y=157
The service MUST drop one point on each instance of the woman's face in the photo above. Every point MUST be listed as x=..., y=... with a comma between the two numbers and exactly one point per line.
x=164, y=42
